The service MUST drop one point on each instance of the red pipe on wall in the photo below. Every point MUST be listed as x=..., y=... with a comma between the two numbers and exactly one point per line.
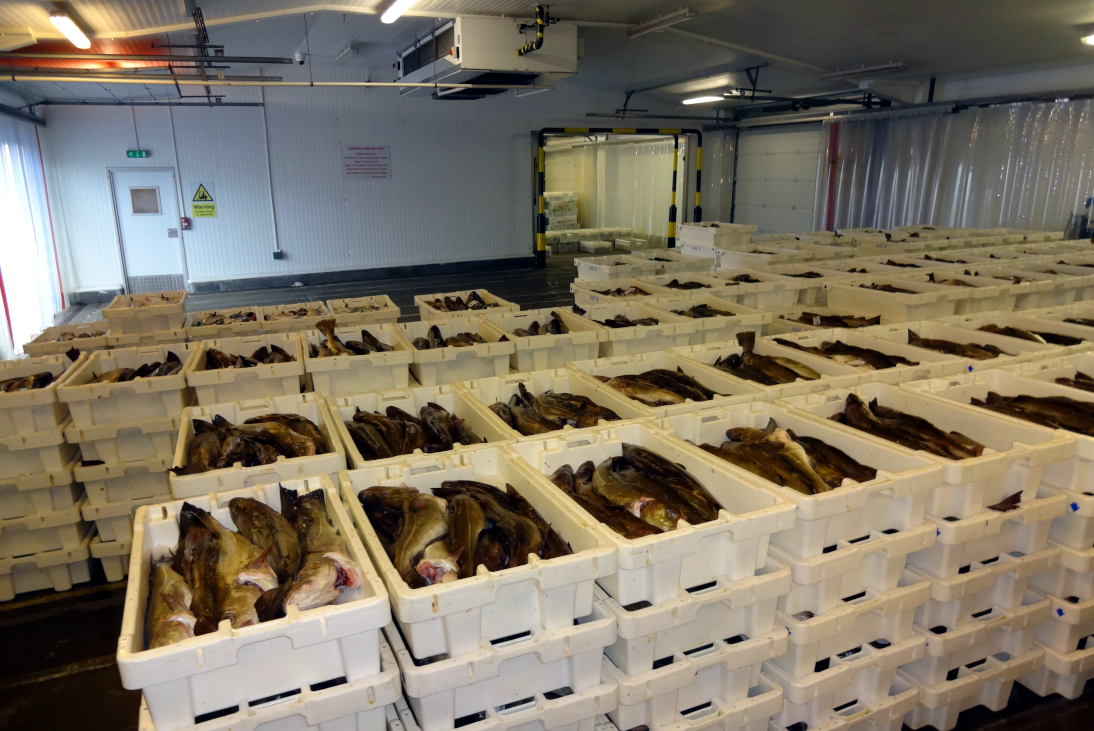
x=833, y=158
x=7, y=312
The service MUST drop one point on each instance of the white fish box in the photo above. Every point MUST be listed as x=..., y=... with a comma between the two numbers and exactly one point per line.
x=378, y=309
x=1073, y=580
x=513, y=684
x=451, y=398
x=485, y=392
x=42, y=532
x=671, y=261
x=502, y=607
x=214, y=672
x=657, y=636
x=23, y=455
x=1070, y=622
x=720, y=327
x=135, y=441
x=786, y=321
x=883, y=619
x=544, y=351
x=197, y=332
x=221, y=385
x=1027, y=321
x=892, y=502
x=39, y=494
x=360, y=705
x=1048, y=370
x=1063, y=673
x=699, y=252
x=590, y=294
x=146, y=312
x=707, y=280
x=124, y=481
x=927, y=301
x=1017, y=351
x=57, y=570
x=35, y=410
x=114, y=521
x=615, y=266
x=1073, y=283
x=595, y=247
x=148, y=339
x=436, y=366
x=772, y=292
x=493, y=304
x=340, y=374
x=94, y=404
x=714, y=675
x=882, y=714
x=79, y=336
x=714, y=234
x=669, y=332
x=277, y=318
x=114, y=557
x=1076, y=473
x=727, y=390
x=929, y=363
x=1015, y=456
x=663, y=567
x=763, y=256
x=308, y=405
x=1046, y=290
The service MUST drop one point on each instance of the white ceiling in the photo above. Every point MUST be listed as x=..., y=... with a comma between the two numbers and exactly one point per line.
x=795, y=39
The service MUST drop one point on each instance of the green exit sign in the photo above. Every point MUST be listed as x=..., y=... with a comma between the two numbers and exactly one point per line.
x=138, y=153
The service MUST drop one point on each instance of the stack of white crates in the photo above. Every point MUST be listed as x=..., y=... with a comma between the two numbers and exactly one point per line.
x=561, y=211
x=126, y=432
x=43, y=541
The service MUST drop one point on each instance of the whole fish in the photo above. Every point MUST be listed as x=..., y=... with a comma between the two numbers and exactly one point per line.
x=889, y=288
x=830, y=321
x=690, y=489
x=118, y=375
x=522, y=535
x=553, y=546
x=642, y=391
x=327, y=568
x=1084, y=321
x=797, y=455
x=1014, y=332
x=1059, y=413
x=635, y=499
x=438, y=425
x=763, y=461
x=825, y=454
x=678, y=382
x=424, y=521
x=677, y=284
x=907, y=430
x=277, y=435
x=466, y=521
x=169, y=617
x=392, y=430
x=384, y=508
x=271, y=532
x=779, y=370
x=527, y=420
x=1081, y=381
x=298, y=424
x=196, y=562
x=967, y=350
x=26, y=383
x=733, y=364
x=505, y=415
x=333, y=341
x=369, y=442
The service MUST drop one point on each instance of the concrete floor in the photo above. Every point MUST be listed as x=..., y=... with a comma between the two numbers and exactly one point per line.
x=60, y=671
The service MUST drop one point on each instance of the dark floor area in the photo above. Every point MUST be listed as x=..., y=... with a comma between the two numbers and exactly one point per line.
x=60, y=673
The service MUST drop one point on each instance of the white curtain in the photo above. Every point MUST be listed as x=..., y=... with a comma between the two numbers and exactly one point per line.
x=1025, y=166
x=27, y=266
x=636, y=187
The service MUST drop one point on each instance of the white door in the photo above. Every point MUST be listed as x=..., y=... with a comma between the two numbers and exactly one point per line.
x=777, y=178
x=148, y=226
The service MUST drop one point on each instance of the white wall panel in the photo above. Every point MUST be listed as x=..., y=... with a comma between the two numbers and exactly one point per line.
x=777, y=178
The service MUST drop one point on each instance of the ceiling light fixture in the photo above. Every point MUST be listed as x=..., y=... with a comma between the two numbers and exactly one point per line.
x=396, y=9
x=885, y=68
x=1088, y=40
x=660, y=23
x=702, y=99
x=70, y=30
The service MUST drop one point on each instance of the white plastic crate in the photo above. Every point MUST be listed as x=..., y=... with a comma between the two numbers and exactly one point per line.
x=43, y=493
x=697, y=684
x=593, y=246
x=411, y=400
x=230, y=329
x=448, y=365
x=714, y=234
x=340, y=374
x=135, y=441
x=662, y=567
x=57, y=570
x=273, y=323
x=221, y=385
x=544, y=351
x=114, y=557
x=615, y=266
x=1070, y=622
x=772, y=292
x=123, y=481
x=308, y=405
x=1076, y=473
x=147, y=339
x=42, y=532
x=1045, y=290
x=217, y=671
x=727, y=390
x=720, y=327
x=983, y=294
x=670, y=331
x=1016, y=351
x=23, y=455
x=590, y=294
x=655, y=636
x=760, y=256
x=94, y=404
x=428, y=312
x=786, y=321
x=1048, y=370
x=386, y=312
x=1073, y=283
x=1063, y=673
x=1072, y=579
x=929, y=363
x=710, y=284
x=669, y=261
x=1014, y=458
x=47, y=342
x=892, y=502
x=460, y=617
x=512, y=684
x=35, y=410
x=114, y=521
x=1026, y=321
x=146, y=312
x=487, y=391
x=929, y=301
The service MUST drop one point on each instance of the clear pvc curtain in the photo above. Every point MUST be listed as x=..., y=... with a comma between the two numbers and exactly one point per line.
x=718, y=157
x=27, y=265
x=1025, y=166
x=635, y=187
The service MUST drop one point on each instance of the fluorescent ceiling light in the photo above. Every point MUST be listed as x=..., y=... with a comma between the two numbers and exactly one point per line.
x=396, y=9
x=1088, y=40
x=702, y=99
x=64, y=24
x=885, y=68
x=660, y=23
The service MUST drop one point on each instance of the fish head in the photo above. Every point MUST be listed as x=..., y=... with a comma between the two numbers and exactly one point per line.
x=316, y=586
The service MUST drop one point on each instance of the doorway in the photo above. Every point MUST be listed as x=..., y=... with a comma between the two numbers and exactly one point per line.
x=146, y=208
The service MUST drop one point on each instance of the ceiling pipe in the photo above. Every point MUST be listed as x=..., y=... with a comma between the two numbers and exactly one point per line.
x=190, y=81
x=141, y=103
x=261, y=60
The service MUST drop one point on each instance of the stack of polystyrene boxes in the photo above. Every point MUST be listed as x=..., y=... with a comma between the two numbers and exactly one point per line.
x=127, y=433
x=43, y=542
x=851, y=602
x=516, y=648
x=561, y=211
x=694, y=607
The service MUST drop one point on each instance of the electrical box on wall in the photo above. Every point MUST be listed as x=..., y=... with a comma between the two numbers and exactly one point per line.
x=184, y=224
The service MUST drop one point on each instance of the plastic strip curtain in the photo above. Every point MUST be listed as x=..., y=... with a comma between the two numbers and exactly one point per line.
x=635, y=186
x=1023, y=166
x=26, y=249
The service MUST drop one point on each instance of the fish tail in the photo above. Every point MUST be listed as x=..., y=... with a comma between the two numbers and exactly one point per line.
x=191, y=515
x=747, y=340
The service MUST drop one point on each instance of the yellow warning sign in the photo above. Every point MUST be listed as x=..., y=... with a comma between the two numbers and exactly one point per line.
x=202, y=195
x=203, y=204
